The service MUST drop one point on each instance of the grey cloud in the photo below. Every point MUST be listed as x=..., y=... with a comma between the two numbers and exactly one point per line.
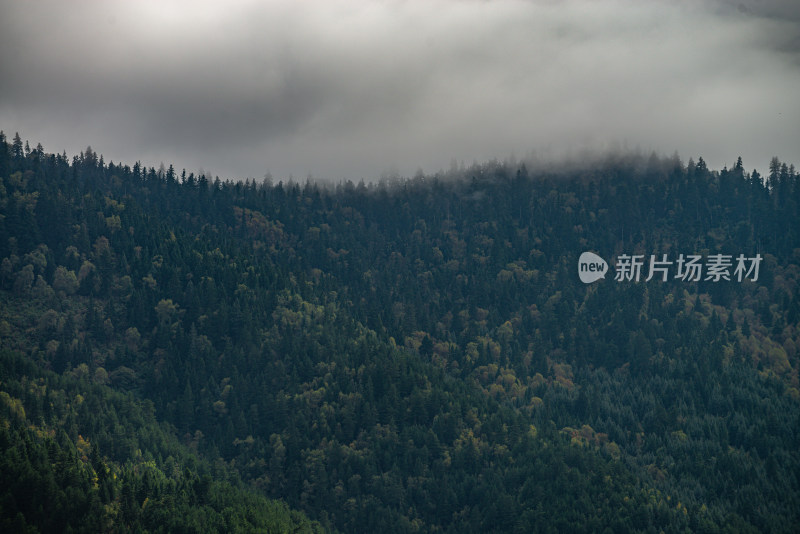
x=339, y=89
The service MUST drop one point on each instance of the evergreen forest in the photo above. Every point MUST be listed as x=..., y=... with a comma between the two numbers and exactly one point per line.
x=184, y=354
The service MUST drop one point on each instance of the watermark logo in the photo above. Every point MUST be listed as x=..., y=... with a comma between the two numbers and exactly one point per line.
x=687, y=268
x=591, y=267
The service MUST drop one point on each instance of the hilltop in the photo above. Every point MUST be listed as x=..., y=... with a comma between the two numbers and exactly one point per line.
x=413, y=355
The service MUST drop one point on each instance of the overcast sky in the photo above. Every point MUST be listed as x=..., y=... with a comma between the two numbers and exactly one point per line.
x=345, y=89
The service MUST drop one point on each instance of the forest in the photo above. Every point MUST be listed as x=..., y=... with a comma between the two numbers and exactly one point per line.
x=184, y=354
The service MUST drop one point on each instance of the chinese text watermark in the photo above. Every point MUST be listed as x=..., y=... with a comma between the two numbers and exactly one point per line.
x=687, y=268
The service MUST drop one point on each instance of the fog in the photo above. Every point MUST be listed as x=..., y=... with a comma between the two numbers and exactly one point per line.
x=336, y=90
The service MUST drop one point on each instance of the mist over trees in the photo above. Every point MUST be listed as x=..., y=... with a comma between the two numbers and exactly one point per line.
x=179, y=352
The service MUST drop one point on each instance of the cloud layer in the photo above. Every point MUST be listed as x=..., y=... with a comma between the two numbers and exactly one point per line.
x=338, y=90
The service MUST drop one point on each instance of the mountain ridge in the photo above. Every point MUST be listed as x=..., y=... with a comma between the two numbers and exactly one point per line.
x=421, y=355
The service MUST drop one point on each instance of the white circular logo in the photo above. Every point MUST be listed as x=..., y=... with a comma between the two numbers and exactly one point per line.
x=591, y=267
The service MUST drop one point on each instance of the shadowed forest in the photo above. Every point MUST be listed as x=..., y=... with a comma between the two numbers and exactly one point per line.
x=182, y=354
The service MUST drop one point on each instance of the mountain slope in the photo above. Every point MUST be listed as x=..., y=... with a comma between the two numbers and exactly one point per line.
x=422, y=355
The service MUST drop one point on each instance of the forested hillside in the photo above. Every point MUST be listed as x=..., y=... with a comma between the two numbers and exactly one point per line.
x=414, y=355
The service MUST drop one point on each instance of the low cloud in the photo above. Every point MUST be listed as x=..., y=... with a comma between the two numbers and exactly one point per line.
x=338, y=90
